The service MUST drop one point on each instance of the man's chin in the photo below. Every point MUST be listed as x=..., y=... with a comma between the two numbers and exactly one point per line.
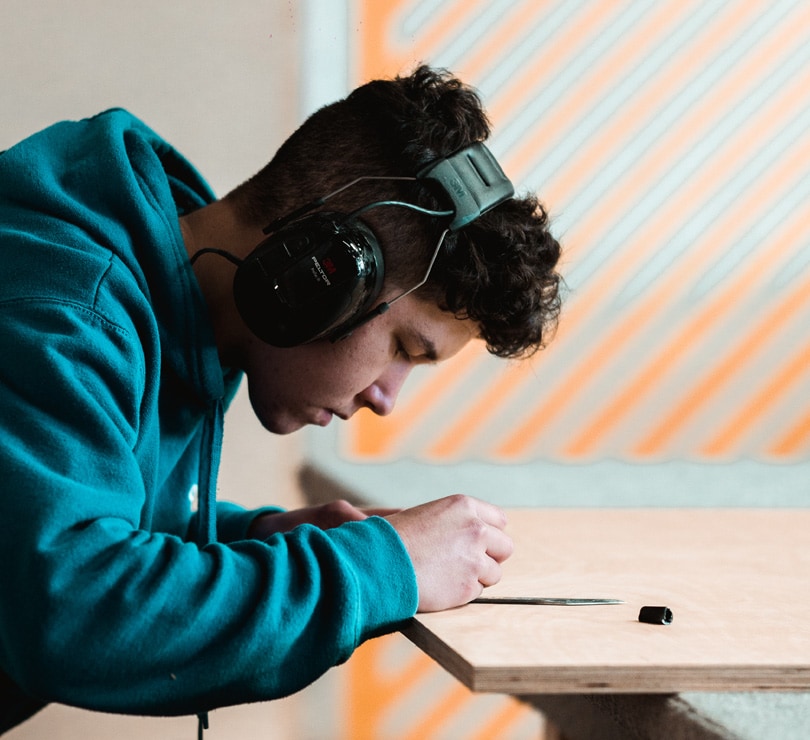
x=280, y=426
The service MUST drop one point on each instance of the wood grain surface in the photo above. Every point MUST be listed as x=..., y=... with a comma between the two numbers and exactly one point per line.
x=737, y=582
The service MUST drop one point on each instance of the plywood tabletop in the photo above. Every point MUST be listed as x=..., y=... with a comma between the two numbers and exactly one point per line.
x=737, y=582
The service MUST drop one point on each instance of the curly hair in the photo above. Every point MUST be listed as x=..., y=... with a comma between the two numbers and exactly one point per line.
x=498, y=271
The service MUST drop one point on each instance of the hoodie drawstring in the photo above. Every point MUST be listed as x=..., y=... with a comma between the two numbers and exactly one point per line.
x=209, y=468
x=206, y=510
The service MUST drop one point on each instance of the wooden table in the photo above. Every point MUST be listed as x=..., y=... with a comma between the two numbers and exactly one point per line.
x=737, y=582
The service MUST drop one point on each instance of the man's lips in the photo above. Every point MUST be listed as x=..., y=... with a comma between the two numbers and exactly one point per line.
x=324, y=416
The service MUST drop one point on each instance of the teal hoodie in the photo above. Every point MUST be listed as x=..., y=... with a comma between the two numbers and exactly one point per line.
x=114, y=594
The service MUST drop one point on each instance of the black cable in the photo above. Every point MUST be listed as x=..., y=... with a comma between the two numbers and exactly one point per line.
x=221, y=252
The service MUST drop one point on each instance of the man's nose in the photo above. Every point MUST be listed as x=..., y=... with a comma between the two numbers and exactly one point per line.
x=381, y=395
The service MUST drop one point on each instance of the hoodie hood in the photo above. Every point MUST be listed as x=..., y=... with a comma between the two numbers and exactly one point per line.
x=110, y=186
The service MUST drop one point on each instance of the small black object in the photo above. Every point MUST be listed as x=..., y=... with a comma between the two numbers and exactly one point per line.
x=655, y=615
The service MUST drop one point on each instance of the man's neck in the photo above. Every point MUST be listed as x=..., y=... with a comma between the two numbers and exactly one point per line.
x=216, y=227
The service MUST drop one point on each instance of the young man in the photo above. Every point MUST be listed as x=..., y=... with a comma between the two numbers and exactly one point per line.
x=123, y=337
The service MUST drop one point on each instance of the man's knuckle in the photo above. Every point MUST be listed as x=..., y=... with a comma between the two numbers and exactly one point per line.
x=478, y=530
x=338, y=506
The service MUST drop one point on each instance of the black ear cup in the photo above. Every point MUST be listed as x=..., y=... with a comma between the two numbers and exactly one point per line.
x=308, y=279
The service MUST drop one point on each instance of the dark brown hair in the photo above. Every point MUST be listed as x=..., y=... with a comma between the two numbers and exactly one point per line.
x=498, y=271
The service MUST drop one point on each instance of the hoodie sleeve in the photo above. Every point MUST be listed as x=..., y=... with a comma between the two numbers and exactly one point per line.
x=233, y=521
x=97, y=612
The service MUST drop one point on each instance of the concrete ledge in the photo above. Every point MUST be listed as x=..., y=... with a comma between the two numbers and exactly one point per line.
x=690, y=716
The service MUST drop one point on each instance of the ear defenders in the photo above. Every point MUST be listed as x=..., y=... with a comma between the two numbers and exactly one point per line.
x=304, y=279
x=319, y=274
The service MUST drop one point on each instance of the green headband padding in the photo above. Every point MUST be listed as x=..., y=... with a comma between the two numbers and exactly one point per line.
x=473, y=180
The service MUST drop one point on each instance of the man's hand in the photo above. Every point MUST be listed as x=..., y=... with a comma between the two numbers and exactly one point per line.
x=324, y=516
x=457, y=545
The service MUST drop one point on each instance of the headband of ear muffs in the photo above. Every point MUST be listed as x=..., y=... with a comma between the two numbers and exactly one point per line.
x=320, y=274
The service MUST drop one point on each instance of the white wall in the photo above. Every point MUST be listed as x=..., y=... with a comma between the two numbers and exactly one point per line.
x=221, y=82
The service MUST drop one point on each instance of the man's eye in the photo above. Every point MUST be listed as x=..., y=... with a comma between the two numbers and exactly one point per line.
x=402, y=352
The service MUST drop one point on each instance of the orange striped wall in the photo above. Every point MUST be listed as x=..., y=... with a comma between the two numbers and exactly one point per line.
x=668, y=140
x=393, y=691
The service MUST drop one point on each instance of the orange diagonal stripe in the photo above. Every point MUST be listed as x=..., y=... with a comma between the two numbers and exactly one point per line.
x=652, y=169
x=590, y=366
x=512, y=713
x=430, y=719
x=375, y=57
x=794, y=439
x=474, y=417
x=506, y=34
x=375, y=436
x=381, y=59
x=699, y=395
x=556, y=124
x=685, y=338
x=635, y=389
x=661, y=90
x=579, y=32
x=778, y=386
x=365, y=708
